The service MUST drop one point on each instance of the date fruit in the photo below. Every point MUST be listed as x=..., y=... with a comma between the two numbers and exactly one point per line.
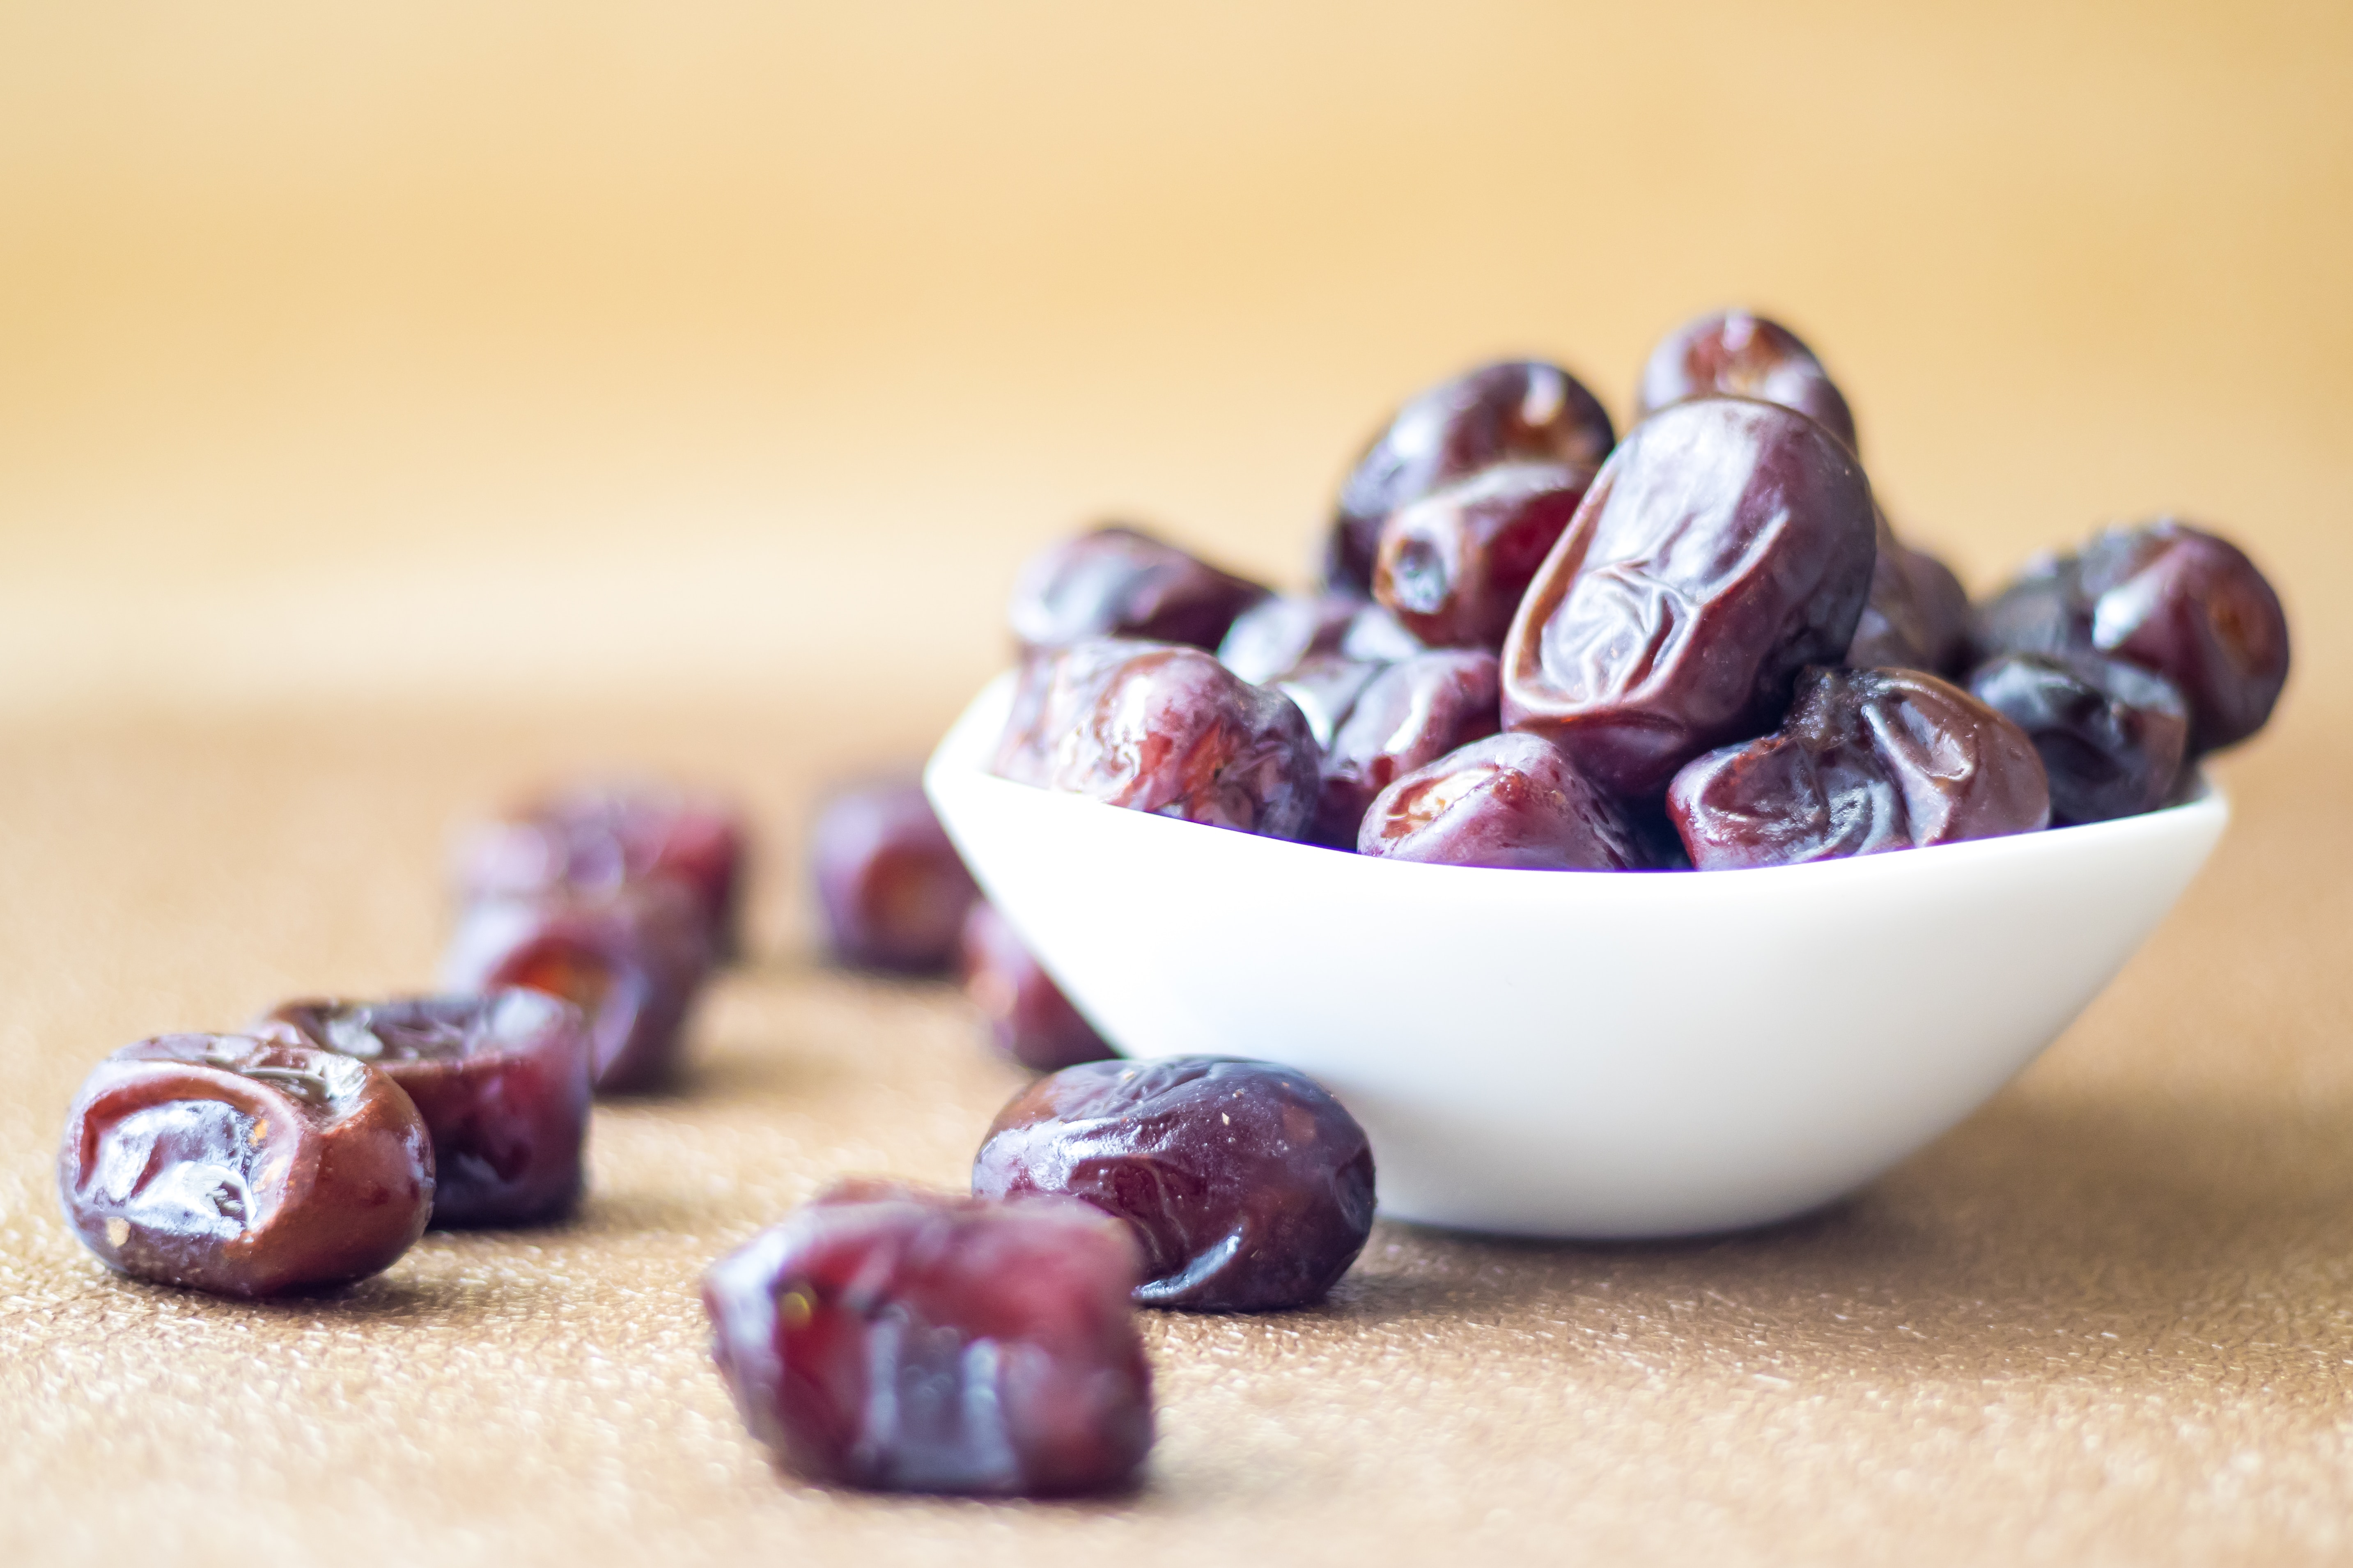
x=1452, y=566
x=1275, y=635
x=2170, y=598
x=891, y=888
x=1868, y=760
x=1917, y=614
x=600, y=837
x=1513, y=801
x=1249, y=1186
x=1727, y=544
x=1734, y=354
x=632, y=959
x=2111, y=736
x=1120, y=582
x=501, y=1080
x=1407, y=716
x=243, y=1167
x=1517, y=409
x=1029, y=1017
x=903, y=1341
x=1164, y=730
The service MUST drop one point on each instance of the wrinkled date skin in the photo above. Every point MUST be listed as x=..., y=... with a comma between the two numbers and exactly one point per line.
x=1249, y=1185
x=1452, y=566
x=2111, y=736
x=1734, y=354
x=1029, y=1017
x=1868, y=760
x=1917, y=614
x=1408, y=716
x=891, y=887
x=597, y=838
x=1164, y=730
x=242, y=1166
x=1121, y=582
x=903, y=1341
x=1275, y=635
x=1513, y=801
x=1517, y=409
x=632, y=959
x=1725, y=544
x=501, y=1080
x=2170, y=598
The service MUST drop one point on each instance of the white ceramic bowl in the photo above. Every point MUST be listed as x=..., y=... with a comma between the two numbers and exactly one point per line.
x=1580, y=1054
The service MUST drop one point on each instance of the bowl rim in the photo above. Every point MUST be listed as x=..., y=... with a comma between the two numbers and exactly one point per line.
x=960, y=761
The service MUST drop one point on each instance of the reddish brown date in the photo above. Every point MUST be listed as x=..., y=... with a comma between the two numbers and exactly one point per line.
x=1325, y=686
x=1029, y=1017
x=242, y=1166
x=1734, y=354
x=1164, y=730
x=903, y=1341
x=501, y=1080
x=1275, y=635
x=1917, y=613
x=1249, y=1187
x=1453, y=565
x=890, y=889
x=1121, y=582
x=2170, y=598
x=1517, y=409
x=1867, y=761
x=1409, y=715
x=597, y=838
x=1514, y=801
x=633, y=961
x=2111, y=736
x=1727, y=544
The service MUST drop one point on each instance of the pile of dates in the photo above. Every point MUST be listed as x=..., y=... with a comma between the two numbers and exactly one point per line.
x=1702, y=645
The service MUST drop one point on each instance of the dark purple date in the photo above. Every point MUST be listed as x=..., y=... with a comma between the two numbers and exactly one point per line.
x=903, y=1341
x=242, y=1166
x=1733, y=353
x=1517, y=409
x=2111, y=736
x=891, y=888
x=1452, y=566
x=1917, y=614
x=1249, y=1185
x=1868, y=760
x=1513, y=801
x=1121, y=582
x=1274, y=635
x=1727, y=544
x=1029, y=1017
x=502, y=1081
x=1164, y=730
x=1409, y=715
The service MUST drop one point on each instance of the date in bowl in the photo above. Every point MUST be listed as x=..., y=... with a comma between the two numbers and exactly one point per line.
x=1580, y=1054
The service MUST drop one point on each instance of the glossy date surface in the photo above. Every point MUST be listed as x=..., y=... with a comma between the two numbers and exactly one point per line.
x=1121, y=582
x=1868, y=760
x=502, y=1079
x=1514, y=409
x=633, y=961
x=1029, y=1017
x=1737, y=353
x=1452, y=565
x=1271, y=638
x=2112, y=735
x=1164, y=730
x=1916, y=615
x=1513, y=801
x=1410, y=714
x=898, y=1340
x=892, y=890
x=243, y=1166
x=1727, y=544
x=1249, y=1186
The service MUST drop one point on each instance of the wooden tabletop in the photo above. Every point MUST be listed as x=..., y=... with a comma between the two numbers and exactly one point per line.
x=397, y=412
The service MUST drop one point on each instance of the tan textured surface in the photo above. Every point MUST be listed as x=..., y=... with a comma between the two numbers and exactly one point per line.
x=2109, y=1320
x=399, y=405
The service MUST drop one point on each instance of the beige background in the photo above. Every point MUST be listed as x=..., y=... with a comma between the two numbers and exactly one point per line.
x=398, y=406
